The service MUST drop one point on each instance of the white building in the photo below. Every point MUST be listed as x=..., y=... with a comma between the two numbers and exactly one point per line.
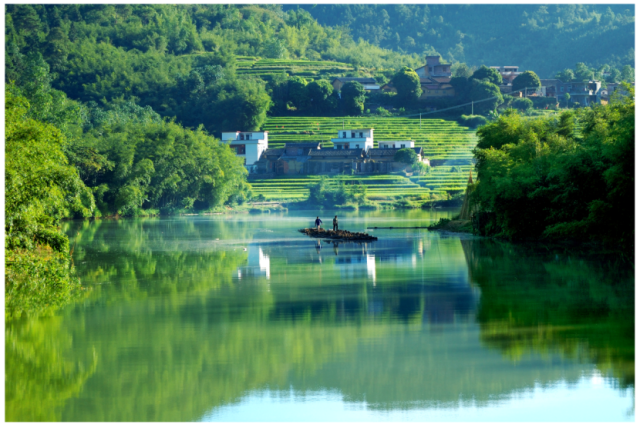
x=396, y=144
x=354, y=139
x=248, y=145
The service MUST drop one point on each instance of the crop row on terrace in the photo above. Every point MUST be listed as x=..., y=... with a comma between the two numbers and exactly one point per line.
x=440, y=139
x=441, y=179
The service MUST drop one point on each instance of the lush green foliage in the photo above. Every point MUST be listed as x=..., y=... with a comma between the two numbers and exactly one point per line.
x=490, y=74
x=543, y=178
x=522, y=104
x=487, y=94
x=328, y=192
x=353, y=95
x=603, y=73
x=406, y=155
x=407, y=83
x=183, y=61
x=528, y=80
x=40, y=189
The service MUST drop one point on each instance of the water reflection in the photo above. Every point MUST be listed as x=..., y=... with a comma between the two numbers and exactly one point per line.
x=183, y=321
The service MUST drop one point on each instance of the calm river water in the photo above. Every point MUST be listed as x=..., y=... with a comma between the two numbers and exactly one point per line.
x=240, y=317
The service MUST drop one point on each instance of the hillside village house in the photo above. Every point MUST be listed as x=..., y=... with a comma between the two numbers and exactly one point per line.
x=434, y=79
x=352, y=153
x=583, y=93
x=248, y=145
x=434, y=68
x=396, y=144
x=354, y=139
x=368, y=83
x=508, y=73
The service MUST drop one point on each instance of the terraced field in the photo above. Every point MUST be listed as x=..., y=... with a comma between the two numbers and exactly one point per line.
x=441, y=179
x=266, y=68
x=439, y=139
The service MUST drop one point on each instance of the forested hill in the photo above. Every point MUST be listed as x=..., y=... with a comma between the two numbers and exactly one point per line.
x=542, y=38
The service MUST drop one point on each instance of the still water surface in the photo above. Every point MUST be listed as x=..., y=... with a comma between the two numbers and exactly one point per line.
x=241, y=318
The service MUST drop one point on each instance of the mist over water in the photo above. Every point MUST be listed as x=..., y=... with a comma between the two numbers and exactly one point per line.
x=243, y=318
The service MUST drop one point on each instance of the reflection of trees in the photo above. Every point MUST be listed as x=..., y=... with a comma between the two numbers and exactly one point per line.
x=555, y=302
x=174, y=361
x=41, y=370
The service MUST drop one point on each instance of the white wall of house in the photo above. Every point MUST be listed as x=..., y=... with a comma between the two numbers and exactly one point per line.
x=396, y=144
x=354, y=139
x=248, y=145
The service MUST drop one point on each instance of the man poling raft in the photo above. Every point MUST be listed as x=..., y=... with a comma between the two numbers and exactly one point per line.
x=337, y=235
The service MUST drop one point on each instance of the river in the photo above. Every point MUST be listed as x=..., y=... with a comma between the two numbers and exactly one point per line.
x=241, y=318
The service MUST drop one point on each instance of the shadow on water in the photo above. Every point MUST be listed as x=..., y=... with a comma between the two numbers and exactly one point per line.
x=550, y=301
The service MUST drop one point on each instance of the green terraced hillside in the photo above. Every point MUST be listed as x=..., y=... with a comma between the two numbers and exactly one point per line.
x=439, y=139
x=441, y=179
x=265, y=68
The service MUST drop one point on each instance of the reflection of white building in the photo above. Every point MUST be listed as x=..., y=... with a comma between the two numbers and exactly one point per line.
x=258, y=264
x=357, y=266
x=400, y=260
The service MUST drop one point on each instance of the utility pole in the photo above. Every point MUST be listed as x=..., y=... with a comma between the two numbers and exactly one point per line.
x=471, y=107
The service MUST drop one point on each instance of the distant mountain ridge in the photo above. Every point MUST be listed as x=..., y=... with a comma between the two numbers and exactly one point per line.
x=542, y=38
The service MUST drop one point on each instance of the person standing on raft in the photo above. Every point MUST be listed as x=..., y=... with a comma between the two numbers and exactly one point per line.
x=335, y=223
x=318, y=222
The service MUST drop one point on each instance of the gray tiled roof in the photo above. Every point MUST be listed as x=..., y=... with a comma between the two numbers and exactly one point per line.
x=272, y=153
x=324, y=153
x=303, y=145
x=361, y=80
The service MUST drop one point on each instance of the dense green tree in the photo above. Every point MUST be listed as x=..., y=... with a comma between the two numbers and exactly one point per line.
x=528, y=80
x=522, y=104
x=407, y=83
x=461, y=69
x=487, y=94
x=406, y=155
x=490, y=74
x=320, y=96
x=615, y=76
x=40, y=189
x=628, y=74
x=57, y=49
x=583, y=72
x=462, y=87
x=538, y=179
x=298, y=94
x=566, y=75
x=353, y=96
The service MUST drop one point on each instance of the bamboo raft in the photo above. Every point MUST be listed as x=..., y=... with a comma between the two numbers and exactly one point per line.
x=337, y=235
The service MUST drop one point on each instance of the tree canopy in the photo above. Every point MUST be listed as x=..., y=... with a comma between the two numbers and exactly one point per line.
x=406, y=155
x=407, y=83
x=527, y=79
x=490, y=74
x=539, y=179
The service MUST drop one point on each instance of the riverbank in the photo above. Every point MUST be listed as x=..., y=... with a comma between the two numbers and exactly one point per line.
x=452, y=225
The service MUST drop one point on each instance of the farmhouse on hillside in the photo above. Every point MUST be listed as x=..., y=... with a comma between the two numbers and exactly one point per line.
x=368, y=83
x=248, y=145
x=354, y=139
x=434, y=68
